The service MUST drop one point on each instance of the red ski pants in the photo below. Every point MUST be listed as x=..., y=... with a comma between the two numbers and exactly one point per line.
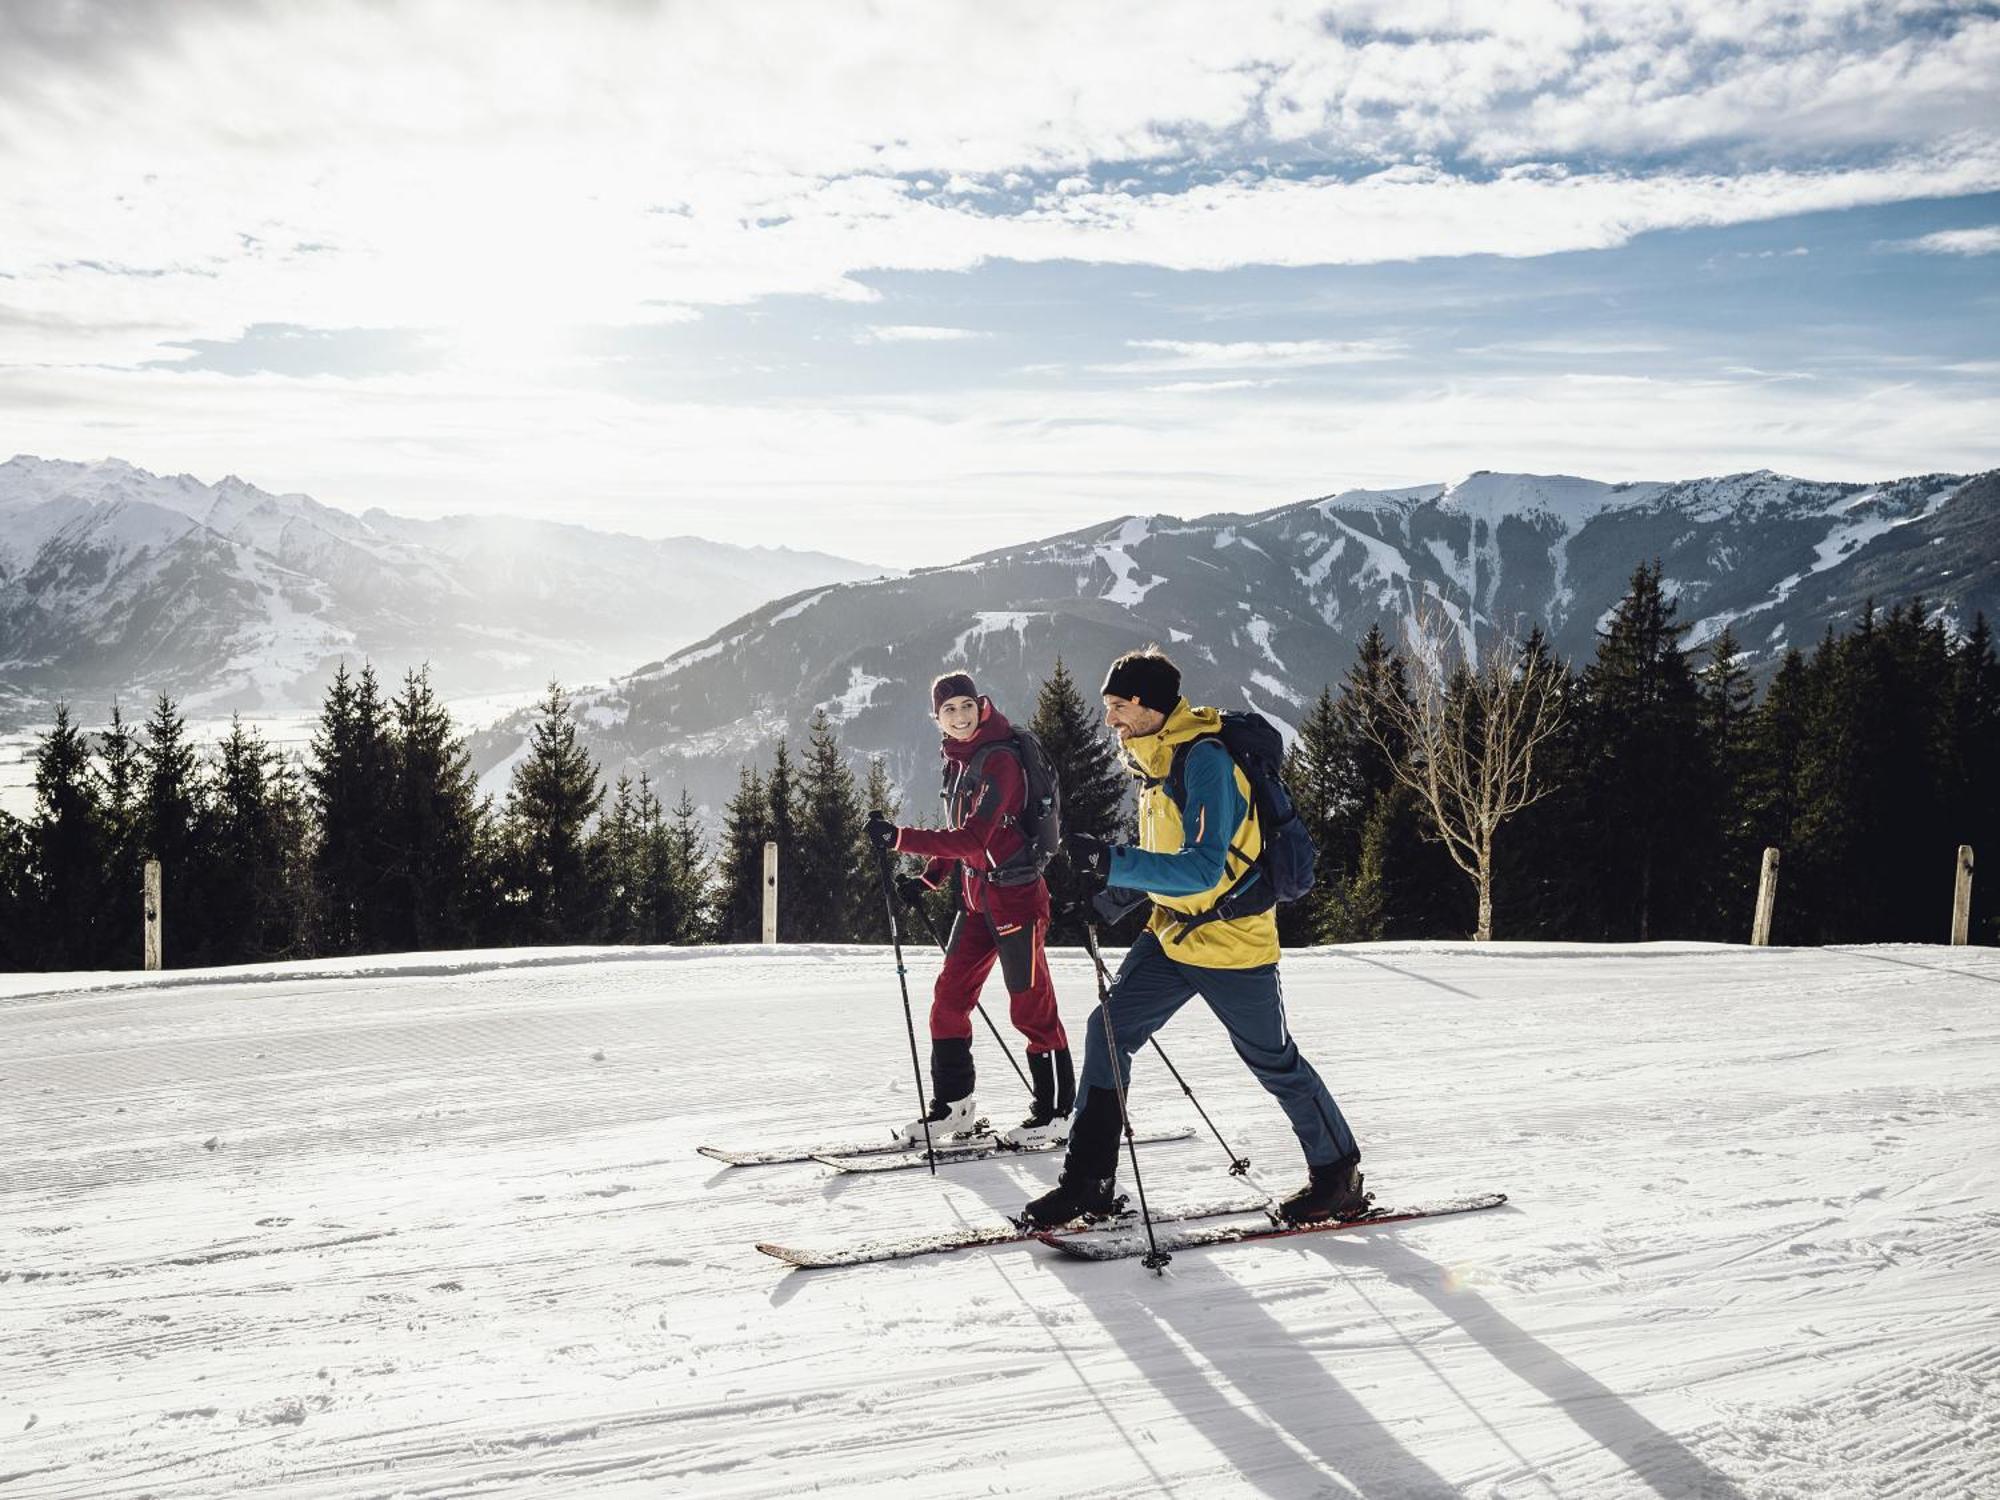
x=976, y=941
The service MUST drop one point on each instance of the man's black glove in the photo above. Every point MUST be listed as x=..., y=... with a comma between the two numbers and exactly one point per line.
x=912, y=889
x=1089, y=857
x=881, y=832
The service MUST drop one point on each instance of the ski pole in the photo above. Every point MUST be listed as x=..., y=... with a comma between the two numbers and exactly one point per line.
x=1239, y=1165
x=1006, y=1050
x=1156, y=1258
x=909, y=1022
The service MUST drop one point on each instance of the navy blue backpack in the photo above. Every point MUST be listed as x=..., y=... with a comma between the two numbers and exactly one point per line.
x=1283, y=870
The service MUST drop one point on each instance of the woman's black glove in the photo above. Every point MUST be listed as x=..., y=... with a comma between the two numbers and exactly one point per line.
x=881, y=832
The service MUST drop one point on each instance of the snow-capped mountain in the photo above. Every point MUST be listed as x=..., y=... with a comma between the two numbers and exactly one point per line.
x=117, y=582
x=1262, y=610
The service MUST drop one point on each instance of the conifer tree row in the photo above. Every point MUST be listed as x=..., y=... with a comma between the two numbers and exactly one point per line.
x=1867, y=759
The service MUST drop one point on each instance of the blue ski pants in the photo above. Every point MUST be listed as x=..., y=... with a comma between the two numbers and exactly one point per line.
x=1250, y=1003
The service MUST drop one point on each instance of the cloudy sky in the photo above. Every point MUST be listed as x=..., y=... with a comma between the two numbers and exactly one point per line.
x=905, y=281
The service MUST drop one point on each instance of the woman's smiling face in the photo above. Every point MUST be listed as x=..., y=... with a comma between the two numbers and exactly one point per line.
x=959, y=717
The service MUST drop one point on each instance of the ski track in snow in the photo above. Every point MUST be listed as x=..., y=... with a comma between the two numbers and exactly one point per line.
x=437, y=1227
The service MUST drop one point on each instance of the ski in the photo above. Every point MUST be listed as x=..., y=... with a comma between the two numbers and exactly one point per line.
x=1122, y=1241
x=903, y=1247
x=981, y=1132
x=970, y=1151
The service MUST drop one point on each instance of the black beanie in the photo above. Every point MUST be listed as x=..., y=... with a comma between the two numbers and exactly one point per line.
x=1146, y=675
x=951, y=685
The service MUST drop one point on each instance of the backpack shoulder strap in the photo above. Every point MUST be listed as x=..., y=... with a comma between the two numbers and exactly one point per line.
x=1176, y=777
x=975, y=764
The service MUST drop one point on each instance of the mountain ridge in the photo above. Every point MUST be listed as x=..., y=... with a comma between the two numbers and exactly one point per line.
x=1262, y=610
x=116, y=582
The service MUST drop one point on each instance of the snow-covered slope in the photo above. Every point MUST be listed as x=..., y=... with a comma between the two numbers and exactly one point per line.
x=117, y=582
x=436, y=1226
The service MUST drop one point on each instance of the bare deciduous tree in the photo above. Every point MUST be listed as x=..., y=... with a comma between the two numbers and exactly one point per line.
x=1471, y=731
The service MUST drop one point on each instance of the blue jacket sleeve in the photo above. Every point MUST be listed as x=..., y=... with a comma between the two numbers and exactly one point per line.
x=1214, y=811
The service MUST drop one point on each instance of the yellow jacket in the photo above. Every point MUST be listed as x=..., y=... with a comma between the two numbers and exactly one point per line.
x=1185, y=873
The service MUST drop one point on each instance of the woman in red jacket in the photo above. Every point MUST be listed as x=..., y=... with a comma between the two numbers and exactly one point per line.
x=1004, y=915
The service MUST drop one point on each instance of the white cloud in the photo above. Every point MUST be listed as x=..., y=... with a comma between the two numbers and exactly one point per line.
x=1184, y=354
x=1581, y=348
x=1196, y=387
x=918, y=333
x=1984, y=240
x=505, y=186
x=353, y=165
x=557, y=248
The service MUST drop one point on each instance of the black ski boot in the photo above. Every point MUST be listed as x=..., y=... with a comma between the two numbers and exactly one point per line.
x=1088, y=1184
x=1073, y=1197
x=1332, y=1192
x=1055, y=1096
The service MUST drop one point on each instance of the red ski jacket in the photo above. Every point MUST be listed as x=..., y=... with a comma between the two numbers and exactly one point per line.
x=983, y=832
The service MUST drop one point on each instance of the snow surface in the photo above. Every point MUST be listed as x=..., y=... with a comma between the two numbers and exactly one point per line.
x=1841, y=542
x=860, y=693
x=1114, y=552
x=801, y=607
x=1382, y=561
x=989, y=622
x=436, y=1226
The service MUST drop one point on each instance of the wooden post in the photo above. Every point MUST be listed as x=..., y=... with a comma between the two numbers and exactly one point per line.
x=153, y=914
x=1767, y=898
x=1961, y=899
x=770, y=892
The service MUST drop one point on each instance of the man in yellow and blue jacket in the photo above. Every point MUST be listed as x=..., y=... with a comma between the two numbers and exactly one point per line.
x=1198, y=836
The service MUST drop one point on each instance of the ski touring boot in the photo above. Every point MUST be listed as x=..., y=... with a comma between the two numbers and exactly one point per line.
x=1333, y=1191
x=1055, y=1096
x=1088, y=1186
x=1075, y=1196
x=945, y=1122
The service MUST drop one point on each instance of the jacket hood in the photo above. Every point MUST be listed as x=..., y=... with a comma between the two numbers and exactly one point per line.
x=1152, y=755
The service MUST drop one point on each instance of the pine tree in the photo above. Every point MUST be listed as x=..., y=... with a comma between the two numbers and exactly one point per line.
x=1389, y=876
x=1317, y=775
x=620, y=842
x=17, y=916
x=1094, y=788
x=1776, y=735
x=1972, y=791
x=256, y=881
x=746, y=828
x=1727, y=717
x=1913, y=766
x=687, y=876
x=119, y=750
x=67, y=892
x=1365, y=742
x=1547, y=887
x=1873, y=840
x=1825, y=797
x=830, y=873
x=781, y=795
x=432, y=875
x=171, y=827
x=352, y=780
x=1656, y=831
x=556, y=792
x=652, y=902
